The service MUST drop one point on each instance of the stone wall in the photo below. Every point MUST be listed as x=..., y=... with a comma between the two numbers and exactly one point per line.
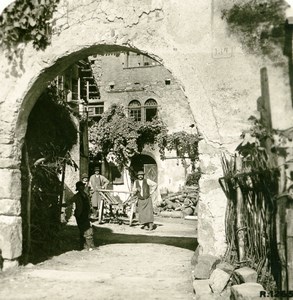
x=220, y=81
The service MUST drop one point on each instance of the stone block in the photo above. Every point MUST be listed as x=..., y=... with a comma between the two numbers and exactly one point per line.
x=9, y=163
x=6, y=150
x=10, y=184
x=10, y=264
x=10, y=237
x=219, y=280
x=10, y=207
x=203, y=291
x=206, y=263
x=228, y=268
x=209, y=185
x=246, y=291
x=194, y=258
x=246, y=274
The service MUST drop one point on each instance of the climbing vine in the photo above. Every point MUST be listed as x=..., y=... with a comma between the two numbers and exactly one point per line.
x=252, y=148
x=119, y=138
x=26, y=20
x=258, y=24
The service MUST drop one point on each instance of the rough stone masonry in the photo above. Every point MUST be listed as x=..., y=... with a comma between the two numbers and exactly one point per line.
x=220, y=81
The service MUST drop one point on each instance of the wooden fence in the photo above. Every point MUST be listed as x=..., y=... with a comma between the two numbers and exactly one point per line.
x=250, y=220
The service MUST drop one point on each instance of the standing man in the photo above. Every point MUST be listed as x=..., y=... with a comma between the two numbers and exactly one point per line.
x=85, y=180
x=97, y=181
x=143, y=189
x=81, y=213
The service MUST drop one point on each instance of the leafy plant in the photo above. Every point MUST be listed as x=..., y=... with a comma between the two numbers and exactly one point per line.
x=252, y=148
x=185, y=144
x=24, y=21
x=119, y=137
x=193, y=178
x=259, y=25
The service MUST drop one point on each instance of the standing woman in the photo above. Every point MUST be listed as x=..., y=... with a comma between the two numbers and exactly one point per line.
x=97, y=181
x=143, y=189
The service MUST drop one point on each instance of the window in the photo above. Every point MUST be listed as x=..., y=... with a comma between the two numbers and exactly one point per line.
x=135, y=110
x=96, y=110
x=144, y=113
x=137, y=60
x=151, y=108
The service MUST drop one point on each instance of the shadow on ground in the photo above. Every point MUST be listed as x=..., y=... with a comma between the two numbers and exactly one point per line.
x=69, y=240
x=103, y=236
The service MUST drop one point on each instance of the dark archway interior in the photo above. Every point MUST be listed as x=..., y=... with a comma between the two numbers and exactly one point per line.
x=138, y=161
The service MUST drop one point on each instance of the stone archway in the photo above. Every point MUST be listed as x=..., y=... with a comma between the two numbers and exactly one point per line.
x=220, y=97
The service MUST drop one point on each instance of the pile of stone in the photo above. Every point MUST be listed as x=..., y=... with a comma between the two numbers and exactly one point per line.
x=179, y=204
x=212, y=279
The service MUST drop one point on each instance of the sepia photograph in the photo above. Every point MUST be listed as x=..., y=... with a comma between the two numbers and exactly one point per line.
x=146, y=149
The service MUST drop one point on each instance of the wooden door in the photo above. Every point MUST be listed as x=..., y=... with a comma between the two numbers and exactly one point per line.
x=151, y=172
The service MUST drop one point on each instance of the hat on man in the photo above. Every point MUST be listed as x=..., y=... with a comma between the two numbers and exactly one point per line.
x=84, y=175
x=140, y=173
x=97, y=169
x=78, y=185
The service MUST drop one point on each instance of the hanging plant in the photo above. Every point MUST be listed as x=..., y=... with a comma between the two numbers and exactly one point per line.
x=259, y=25
x=119, y=137
x=185, y=144
x=24, y=21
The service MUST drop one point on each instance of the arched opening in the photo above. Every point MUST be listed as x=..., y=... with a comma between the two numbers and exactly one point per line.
x=147, y=164
x=148, y=108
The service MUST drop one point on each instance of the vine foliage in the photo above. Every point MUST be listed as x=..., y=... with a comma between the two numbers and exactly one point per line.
x=258, y=24
x=119, y=138
x=27, y=20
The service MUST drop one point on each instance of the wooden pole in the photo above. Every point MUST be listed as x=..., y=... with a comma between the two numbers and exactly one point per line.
x=239, y=209
x=289, y=230
x=28, y=204
x=265, y=106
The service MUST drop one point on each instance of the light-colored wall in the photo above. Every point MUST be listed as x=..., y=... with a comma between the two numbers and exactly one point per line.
x=183, y=35
x=173, y=107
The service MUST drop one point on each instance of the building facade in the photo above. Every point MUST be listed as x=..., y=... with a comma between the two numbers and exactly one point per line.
x=146, y=90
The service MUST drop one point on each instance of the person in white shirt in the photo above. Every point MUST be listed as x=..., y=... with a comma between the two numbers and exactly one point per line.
x=143, y=189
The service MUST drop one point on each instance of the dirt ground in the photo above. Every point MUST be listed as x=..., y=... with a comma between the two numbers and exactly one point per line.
x=129, y=263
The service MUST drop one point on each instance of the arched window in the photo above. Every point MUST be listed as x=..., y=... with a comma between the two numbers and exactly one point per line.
x=151, y=109
x=144, y=113
x=134, y=108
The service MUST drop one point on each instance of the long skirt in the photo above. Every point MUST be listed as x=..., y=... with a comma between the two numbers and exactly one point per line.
x=145, y=211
